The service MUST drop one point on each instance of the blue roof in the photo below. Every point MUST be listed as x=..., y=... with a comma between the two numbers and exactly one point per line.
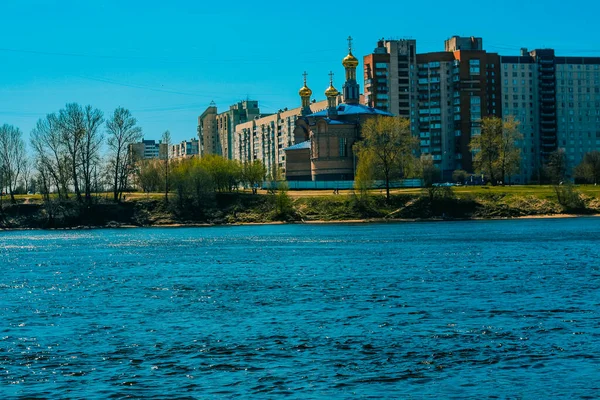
x=336, y=122
x=299, y=146
x=352, y=109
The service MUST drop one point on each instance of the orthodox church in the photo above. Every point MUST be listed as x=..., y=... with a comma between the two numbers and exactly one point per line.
x=323, y=149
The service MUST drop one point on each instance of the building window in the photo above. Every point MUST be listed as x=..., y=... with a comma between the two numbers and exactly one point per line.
x=474, y=66
x=343, y=147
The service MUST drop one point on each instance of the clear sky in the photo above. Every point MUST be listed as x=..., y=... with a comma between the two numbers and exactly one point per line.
x=166, y=60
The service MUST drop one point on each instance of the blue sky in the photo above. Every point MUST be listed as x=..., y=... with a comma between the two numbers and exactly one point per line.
x=166, y=60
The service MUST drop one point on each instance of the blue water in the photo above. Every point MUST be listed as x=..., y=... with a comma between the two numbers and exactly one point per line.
x=480, y=309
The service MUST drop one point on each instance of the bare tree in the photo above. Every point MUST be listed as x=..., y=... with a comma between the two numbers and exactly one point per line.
x=122, y=131
x=2, y=185
x=71, y=122
x=26, y=174
x=12, y=156
x=51, y=154
x=166, y=143
x=91, y=143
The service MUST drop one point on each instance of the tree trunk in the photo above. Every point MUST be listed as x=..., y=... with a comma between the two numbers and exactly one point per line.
x=167, y=181
x=387, y=187
x=75, y=182
x=116, y=188
x=10, y=190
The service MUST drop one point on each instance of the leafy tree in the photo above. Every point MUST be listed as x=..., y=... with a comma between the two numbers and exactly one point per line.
x=557, y=167
x=149, y=175
x=12, y=157
x=460, y=176
x=387, y=144
x=364, y=176
x=192, y=183
x=430, y=175
x=496, y=152
x=589, y=168
x=122, y=131
x=284, y=206
x=225, y=174
x=253, y=173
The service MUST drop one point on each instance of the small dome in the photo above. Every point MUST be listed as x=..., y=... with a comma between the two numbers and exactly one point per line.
x=305, y=91
x=331, y=91
x=350, y=61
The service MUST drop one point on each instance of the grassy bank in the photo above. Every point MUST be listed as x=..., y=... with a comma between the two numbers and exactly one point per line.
x=243, y=207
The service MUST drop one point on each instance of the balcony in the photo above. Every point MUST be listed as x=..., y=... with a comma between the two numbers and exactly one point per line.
x=547, y=99
x=546, y=61
x=547, y=77
x=548, y=114
x=548, y=130
x=546, y=69
x=549, y=138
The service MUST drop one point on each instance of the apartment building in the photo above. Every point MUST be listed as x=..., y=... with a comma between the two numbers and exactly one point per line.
x=147, y=149
x=555, y=99
x=216, y=130
x=207, y=131
x=557, y=102
x=390, y=78
x=185, y=149
x=265, y=138
x=456, y=88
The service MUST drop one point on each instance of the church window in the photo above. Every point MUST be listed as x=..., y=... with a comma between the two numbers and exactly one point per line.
x=343, y=147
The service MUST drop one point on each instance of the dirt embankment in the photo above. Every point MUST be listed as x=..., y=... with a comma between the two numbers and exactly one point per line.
x=243, y=208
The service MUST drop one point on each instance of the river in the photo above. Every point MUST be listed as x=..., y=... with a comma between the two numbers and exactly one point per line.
x=474, y=309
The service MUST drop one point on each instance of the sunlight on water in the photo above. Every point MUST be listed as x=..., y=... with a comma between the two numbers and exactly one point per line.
x=486, y=309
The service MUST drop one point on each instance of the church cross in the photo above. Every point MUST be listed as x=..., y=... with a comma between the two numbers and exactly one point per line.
x=331, y=77
x=304, y=75
x=349, y=44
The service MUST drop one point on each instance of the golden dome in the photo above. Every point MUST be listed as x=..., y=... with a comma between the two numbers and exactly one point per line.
x=331, y=91
x=305, y=91
x=350, y=61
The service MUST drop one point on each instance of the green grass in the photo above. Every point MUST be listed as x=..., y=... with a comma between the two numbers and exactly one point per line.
x=540, y=191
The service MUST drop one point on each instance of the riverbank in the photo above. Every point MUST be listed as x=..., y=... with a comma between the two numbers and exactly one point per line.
x=245, y=208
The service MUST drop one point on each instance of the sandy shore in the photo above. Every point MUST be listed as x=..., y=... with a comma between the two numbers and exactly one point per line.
x=312, y=222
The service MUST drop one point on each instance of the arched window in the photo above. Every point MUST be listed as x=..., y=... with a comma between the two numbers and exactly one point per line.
x=322, y=127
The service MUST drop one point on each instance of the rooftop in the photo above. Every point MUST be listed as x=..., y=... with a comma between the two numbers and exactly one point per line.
x=352, y=109
x=299, y=146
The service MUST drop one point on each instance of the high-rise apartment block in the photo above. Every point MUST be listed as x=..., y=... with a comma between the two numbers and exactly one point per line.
x=555, y=99
x=389, y=77
x=216, y=130
x=557, y=102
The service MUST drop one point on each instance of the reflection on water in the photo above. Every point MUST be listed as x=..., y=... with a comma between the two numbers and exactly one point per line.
x=454, y=310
